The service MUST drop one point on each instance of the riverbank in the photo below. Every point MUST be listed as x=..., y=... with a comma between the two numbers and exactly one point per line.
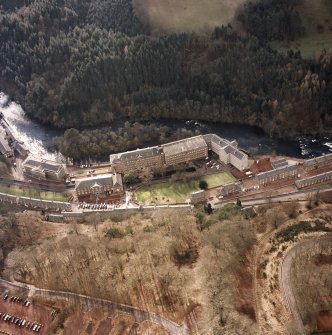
x=38, y=138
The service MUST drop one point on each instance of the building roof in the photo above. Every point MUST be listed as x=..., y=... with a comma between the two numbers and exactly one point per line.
x=279, y=163
x=230, y=147
x=277, y=171
x=198, y=194
x=234, y=151
x=184, y=145
x=314, y=178
x=230, y=187
x=42, y=164
x=129, y=156
x=318, y=160
x=99, y=181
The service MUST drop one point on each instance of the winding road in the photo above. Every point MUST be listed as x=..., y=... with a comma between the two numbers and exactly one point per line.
x=110, y=307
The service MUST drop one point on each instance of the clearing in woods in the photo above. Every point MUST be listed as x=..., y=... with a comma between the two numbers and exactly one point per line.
x=317, y=19
x=178, y=192
x=174, y=16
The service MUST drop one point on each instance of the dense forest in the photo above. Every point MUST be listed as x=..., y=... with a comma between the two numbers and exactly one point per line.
x=83, y=63
x=99, y=143
x=270, y=20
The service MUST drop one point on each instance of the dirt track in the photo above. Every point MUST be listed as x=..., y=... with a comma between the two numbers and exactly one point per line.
x=113, y=309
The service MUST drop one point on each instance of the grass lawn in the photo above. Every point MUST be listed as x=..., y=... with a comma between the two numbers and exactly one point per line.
x=33, y=193
x=313, y=13
x=175, y=16
x=178, y=192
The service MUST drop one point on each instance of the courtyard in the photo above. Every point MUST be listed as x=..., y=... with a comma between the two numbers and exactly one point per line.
x=178, y=192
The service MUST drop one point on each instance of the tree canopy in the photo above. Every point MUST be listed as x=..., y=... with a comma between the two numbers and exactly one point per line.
x=76, y=64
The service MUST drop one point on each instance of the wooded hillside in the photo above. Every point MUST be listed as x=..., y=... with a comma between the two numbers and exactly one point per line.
x=87, y=63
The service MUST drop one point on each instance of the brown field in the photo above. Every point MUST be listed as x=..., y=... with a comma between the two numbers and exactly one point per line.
x=174, y=16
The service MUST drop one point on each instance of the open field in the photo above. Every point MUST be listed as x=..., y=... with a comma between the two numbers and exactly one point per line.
x=33, y=193
x=313, y=13
x=173, y=16
x=178, y=192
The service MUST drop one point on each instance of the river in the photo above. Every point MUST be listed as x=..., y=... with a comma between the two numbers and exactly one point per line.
x=38, y=138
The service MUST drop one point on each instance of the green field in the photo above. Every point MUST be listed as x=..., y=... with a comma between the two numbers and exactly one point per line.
x=178, y=192
x=313, y=13
x=174, y=16
x=33, y=193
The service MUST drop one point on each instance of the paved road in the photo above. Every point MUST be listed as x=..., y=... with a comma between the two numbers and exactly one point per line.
x=285, y=274
x=303, y=195
x=106, y=305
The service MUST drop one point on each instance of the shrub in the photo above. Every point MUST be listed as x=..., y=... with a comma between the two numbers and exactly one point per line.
x=229, y=211
x=148, y=229
x=114, y=233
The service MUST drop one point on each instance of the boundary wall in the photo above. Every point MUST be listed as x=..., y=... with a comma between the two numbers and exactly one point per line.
x=35, y=203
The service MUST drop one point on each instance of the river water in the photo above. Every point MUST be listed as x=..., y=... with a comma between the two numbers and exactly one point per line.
x=38, y=138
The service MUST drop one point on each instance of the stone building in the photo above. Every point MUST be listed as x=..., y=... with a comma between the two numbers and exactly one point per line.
x=184, y=151
x=289, y=171
x=227, y=151
x=318, y=162
x=229, y=189
x=279, y=163
x=137, y=159
x=321, y=178
x=197, y=197
x=107, y=188
x=43, y=169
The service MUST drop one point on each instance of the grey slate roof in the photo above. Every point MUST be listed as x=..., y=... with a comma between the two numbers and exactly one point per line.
x=279, y=163
x=100, y=181
x=184, y=145
x=129, y=156
x=277, y=171
x=230, y=187
x=318, y=160
x=42, y=164
x=234, y=151
x=230, y=147
x=313, y=179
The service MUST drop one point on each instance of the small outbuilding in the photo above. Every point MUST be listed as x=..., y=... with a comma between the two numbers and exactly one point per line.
x=197, y=197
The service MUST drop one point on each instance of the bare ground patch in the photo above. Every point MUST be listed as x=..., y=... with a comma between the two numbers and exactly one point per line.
x=174, y=16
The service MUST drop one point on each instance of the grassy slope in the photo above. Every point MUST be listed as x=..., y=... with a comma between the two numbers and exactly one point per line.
x=33, y=193
x=169, y=16
x=312, y=13
x=168, y=193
